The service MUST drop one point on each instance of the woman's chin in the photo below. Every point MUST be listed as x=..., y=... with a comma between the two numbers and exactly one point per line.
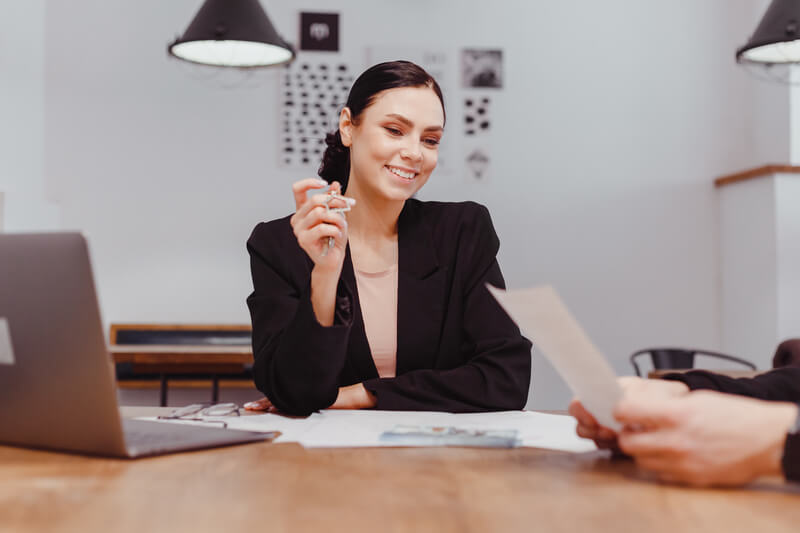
x=400, y=194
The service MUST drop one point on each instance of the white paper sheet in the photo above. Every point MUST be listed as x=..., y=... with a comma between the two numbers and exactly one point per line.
x=355, y=429
x=543, y=318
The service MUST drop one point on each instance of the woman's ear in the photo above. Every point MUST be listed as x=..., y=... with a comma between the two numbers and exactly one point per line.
x=346, y=126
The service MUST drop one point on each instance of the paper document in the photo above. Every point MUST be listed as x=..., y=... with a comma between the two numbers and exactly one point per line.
x=543, y=317
x=363, y=428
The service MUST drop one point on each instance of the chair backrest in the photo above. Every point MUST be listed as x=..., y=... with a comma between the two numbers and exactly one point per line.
x=787, y=354
x=680, y=358
x=666, y=358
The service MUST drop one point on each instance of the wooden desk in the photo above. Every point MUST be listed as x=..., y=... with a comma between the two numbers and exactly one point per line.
x=282, y=487
x=182, y=359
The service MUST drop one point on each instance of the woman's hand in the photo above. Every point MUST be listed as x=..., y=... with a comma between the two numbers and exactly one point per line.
x=354, y=397
x=261, y=405
x=350, y=397
x=314, y=224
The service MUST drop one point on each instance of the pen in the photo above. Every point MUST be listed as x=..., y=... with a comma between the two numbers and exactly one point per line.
x=348, y=202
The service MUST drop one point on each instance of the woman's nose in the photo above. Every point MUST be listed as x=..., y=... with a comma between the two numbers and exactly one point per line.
x=411, y=151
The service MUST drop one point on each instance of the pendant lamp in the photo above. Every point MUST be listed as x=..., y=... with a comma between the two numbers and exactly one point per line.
x=776, y=40
x=232, y=33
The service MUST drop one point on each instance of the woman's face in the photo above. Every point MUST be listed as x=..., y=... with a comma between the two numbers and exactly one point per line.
x=395, y=144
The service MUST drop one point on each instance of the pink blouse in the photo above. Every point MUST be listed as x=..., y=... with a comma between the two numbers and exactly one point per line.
x=377, y=292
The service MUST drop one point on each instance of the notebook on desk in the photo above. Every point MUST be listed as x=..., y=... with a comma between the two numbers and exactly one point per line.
x=57, y=387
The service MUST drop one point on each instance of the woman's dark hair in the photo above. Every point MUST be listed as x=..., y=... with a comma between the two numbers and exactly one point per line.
x=335, y=164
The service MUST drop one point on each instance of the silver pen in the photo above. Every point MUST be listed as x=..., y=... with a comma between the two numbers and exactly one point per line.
x=332, y=195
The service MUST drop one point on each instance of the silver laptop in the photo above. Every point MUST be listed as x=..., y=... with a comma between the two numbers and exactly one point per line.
x=57, y=385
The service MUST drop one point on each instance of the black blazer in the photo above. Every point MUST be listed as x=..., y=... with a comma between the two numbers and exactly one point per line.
x=457, y=350
x=778, y=385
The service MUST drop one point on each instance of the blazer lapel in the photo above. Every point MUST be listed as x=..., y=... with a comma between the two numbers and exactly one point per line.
x=420, y=292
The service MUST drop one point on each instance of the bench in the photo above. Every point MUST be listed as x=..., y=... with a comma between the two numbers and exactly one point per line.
x=149, y=356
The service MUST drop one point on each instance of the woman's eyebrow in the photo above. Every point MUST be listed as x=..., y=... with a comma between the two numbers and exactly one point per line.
x=410, y=124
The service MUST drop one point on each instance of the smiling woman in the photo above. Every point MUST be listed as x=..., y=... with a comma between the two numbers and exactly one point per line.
x=386, y=308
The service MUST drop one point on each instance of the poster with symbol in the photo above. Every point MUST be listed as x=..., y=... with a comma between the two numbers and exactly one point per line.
x=319, y=32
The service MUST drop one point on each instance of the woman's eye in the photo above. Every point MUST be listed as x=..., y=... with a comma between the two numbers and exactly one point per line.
x=431, y=142
x=393, y=131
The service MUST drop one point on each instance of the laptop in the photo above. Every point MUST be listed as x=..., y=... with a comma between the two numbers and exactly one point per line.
x=57, y=384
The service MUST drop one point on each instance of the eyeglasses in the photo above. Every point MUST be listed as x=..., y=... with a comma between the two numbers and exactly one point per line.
x=198, y=412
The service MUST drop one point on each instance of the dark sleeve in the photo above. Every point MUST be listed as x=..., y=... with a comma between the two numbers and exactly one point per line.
x=497, y=370
x=790, y=462
x=297, y=361
x=780, y=384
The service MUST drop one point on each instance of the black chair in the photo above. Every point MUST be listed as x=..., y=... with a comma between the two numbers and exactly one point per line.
x=680, y=358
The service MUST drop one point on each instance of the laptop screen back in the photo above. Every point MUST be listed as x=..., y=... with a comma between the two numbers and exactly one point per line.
x=56, y=383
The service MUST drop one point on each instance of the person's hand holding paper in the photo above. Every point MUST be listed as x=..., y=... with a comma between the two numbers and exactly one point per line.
x=633, y=389
x=545, y=320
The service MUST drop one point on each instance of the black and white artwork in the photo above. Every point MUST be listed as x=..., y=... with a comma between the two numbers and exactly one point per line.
x=319, y=31
x=477, y=116
x=312, y=93
x=478, y=164
x=477, y=124
x=482, y=68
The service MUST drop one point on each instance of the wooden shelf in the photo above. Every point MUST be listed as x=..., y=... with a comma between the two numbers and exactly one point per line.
x=760, y=172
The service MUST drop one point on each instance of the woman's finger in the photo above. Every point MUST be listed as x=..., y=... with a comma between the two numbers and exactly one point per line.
x=258, y=405
x=317, y=237
x=315, y=241
x=316, y=218
x=301, y=188
x=320, y=203
x=323, y=202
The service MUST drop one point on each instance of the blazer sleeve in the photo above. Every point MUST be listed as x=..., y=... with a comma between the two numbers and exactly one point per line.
x=497, y=369
x=297, y=361
x=780, y=384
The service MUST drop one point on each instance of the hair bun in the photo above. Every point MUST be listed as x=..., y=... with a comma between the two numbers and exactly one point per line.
x=335, y=164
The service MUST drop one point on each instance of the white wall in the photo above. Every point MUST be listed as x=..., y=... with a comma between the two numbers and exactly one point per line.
x=772, y=107
x=760, y=265
x=794, y=119
x=787, y=222
x=751, y=245
x=22, y=57
x=615, y=119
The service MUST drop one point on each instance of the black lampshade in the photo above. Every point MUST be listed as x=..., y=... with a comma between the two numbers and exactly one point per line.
x=777, y=38
x=232, y=33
